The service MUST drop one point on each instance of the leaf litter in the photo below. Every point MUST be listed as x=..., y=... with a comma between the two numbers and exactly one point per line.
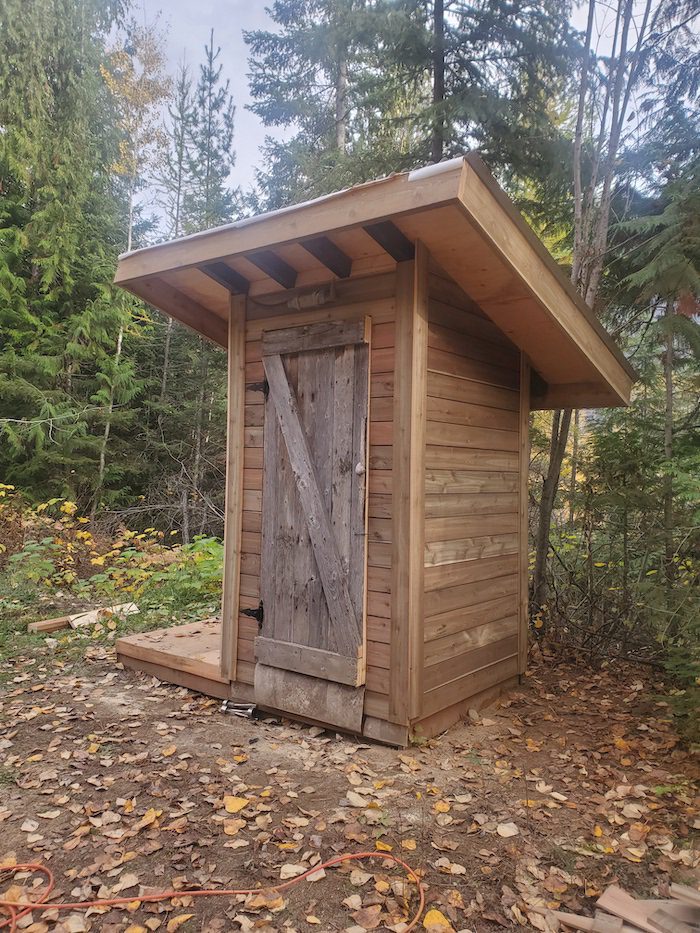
x=126, y=786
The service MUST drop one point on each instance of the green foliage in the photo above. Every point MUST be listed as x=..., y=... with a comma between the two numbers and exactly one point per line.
x=70, y=569
x=354, y=80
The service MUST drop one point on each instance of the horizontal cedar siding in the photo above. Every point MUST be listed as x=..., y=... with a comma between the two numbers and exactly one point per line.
x=471, y=503
x=381, y=310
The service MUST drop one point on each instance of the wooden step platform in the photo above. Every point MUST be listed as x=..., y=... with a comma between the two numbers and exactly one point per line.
x=187, y=655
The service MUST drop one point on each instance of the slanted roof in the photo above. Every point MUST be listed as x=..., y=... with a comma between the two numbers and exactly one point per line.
x=472, y=231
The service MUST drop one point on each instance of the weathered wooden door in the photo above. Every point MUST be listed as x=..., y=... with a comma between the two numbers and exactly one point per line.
x=311, y=649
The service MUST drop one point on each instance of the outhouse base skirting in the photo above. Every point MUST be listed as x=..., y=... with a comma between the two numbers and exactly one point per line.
x=189, y=656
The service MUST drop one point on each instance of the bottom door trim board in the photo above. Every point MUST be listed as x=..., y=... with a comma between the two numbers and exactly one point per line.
x=315, y=662
x=311, y=698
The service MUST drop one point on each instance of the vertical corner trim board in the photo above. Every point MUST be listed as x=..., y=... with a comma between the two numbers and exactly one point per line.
x=234, y=486
x=408, y=494
x=524, y=468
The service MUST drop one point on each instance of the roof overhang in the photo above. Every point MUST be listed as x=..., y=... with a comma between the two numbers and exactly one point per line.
x=472, y=231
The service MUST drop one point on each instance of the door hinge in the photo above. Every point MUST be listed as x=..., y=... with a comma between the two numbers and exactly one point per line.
x=257, y=614
x=263, y=387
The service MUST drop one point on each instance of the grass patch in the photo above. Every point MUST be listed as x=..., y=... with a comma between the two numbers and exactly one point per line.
x=71, y=570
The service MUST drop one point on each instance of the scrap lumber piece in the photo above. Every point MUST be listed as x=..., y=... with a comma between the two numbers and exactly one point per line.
x=93, y=616
x=686, y=894
x=679, y=909
x=618, y=902
x=49, y=625
x=78, y=619
x=601, y=923
x=605, y=923
x=667, y=923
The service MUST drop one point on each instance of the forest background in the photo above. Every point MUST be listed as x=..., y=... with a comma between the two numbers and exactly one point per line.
x=112, y=418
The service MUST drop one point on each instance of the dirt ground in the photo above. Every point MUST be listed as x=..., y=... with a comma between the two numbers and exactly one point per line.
x=123, y=785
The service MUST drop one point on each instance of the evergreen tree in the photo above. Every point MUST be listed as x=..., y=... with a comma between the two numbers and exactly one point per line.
x=173, y=182
x=61, y=217
x=374, y=87
x=187, y=447
x=139, y=86
x=211, y=200
x=315, y=74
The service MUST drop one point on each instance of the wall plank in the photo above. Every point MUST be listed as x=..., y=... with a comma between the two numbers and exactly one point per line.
x=473, y=501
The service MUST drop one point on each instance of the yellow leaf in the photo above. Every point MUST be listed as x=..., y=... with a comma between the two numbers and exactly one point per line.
x=240, y=758
x=383, y=846
x=93, y=748
x=409, y=844
x=597, y=832
x=436, y=922
x=311, y=919
x=135, y=928
x=177, y=922
x=233, y=827
x=442, y=806
x=235, y=804
x=170, y=750
x=539, y=623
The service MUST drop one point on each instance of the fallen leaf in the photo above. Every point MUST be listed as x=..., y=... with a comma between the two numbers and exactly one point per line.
x=436, y=922
x=177, y=922
x=507, y=829
x=368, y=918
x=235, y=804
x=355, y=799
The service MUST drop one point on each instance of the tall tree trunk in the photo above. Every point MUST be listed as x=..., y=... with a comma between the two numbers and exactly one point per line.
x=591, y=226
x=199, y=424
x=668, y=454
x=166, y=364
x=578, y=148
x=108, y=427
x=438, y=136
x=185, y=507
x=341, y=101
x=205, y=443
x=561, y=419
x=574, y=468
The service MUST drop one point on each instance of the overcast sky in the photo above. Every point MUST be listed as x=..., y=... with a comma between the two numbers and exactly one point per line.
x=188, y=23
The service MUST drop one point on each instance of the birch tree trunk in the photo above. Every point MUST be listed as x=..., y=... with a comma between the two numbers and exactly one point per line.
x=591, y=225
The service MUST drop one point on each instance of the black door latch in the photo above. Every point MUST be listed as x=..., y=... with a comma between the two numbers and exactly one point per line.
x=263, y=387
x=257, y=614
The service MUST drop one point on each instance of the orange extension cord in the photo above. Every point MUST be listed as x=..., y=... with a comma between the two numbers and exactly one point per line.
x=18, y=910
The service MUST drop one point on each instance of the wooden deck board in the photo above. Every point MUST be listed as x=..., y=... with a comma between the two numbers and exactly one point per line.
x=194, y=649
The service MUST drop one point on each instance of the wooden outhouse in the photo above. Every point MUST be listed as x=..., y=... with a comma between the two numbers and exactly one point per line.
x=386, y=345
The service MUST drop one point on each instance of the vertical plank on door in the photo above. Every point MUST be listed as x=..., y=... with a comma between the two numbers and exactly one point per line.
x=359, y=510
x=408, y=487
x=234, y=486
x=523, y=542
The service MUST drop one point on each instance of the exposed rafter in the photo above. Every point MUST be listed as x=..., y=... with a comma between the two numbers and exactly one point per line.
x=330, y=255
x=391, y=240
x=236, y=283
x=271, y=264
